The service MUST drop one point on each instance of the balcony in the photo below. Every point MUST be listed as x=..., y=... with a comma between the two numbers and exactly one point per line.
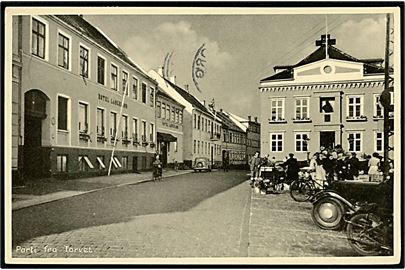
x=302, y=120
x=278, y=120
x=360, y=118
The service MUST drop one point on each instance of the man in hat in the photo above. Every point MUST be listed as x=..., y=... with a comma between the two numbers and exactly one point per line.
x=292, y=168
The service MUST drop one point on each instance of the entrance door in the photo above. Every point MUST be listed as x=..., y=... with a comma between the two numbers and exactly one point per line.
x=32, y=146
x=134, y=164
x=327, y=139
x=164, y=154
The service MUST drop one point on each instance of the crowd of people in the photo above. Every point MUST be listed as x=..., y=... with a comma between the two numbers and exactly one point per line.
x=326, y=165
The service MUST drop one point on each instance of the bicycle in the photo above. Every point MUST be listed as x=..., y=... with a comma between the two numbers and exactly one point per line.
x=305, y=187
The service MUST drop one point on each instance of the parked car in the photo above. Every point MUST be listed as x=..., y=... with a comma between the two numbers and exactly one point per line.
x=201, y=164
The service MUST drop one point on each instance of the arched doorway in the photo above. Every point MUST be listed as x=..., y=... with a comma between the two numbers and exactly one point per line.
x=35, y=111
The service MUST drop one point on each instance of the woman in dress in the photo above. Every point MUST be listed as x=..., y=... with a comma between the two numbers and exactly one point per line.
x=373, y=165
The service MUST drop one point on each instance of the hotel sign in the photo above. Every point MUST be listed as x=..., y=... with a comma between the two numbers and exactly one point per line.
x=111, y=100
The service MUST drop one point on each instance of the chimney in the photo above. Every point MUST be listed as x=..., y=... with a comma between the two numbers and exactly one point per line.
x=250, y=118
x=220, y=110
x=173, y=79
x=204, y=102
x=160, y=71
x=186, y=87
x=256, y=119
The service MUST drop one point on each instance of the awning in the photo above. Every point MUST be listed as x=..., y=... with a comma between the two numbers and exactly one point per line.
x=166, y=137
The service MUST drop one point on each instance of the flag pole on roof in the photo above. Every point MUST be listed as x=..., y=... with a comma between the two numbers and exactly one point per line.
x=326, y=35
x=118, y=126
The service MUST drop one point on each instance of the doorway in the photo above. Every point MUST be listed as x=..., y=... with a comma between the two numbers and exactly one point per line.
x=327, y=139
x=164, y=153
x=135, y=164
x=35, y=160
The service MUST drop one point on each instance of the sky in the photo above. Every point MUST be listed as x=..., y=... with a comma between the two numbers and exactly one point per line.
x=240, y=49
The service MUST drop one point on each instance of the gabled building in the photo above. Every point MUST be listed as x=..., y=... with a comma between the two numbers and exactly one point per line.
x=70, y=79
x=201, y=128
x=326, y=99
x=233, y=140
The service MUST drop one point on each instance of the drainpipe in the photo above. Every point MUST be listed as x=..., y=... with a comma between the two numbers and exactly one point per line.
x=341, y=116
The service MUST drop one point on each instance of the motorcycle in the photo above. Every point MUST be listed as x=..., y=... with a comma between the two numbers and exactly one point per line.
x=271, y=179
x=370, y=230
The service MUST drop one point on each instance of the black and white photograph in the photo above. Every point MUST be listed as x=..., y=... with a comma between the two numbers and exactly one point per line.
x=224, y=135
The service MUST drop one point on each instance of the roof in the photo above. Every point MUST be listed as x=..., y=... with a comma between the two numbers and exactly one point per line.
x=227, y=121
x=162, y=93
x=189, y=97
x=95, y=34
x=320, y=54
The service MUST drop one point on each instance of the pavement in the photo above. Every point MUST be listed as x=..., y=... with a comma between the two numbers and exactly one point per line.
x=41, y=191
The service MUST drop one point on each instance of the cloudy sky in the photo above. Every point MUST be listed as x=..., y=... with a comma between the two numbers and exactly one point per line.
x=241, y=49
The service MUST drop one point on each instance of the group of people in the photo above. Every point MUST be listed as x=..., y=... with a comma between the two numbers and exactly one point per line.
x=326, y=165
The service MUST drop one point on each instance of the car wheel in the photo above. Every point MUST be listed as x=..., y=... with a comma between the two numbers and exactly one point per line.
x=327, y=213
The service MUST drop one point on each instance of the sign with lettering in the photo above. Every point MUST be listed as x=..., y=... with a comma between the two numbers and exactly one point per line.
x=111, y=101
x=170, y=125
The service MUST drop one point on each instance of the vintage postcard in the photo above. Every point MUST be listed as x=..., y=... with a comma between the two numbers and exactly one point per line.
x=202, y=135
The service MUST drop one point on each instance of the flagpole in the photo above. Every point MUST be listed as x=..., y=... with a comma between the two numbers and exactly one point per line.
x=326, y=36
x=118, y=127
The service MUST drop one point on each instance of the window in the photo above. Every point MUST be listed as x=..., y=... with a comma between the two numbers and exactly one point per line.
x=151, y=132
x=124, y=162
x=195, y=121
x=158, y=109
x=379, y=141
x=354, y=142
x=125, y=83
x=177, y=116
x=63, y=51
x=113, y=124
x=85, y=164
x=301, y=108
x=180, y=117
x=38, y=38
x=167, y=112
x=62, y=113
x=84, y=62
x=152, y=96
x=355, y=107
x=135, y=130
x=175, y=145
x=100, y=122
x=173, y=114
x=135, y=88
x=114, y=74
x=277, y=109
x=83, y=118
x=301, y=142
x=195, y=146
x=199, y=122
x=143, y=93
x=276, y=142
x=125, y=126
x=61, y=163
x=378, y=109
x=163, y=114
x=101, y=70
x=101, y=162
x=143, y=130
x=198, y=147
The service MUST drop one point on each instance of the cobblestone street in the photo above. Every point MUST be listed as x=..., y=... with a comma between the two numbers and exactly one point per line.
x=195, y=215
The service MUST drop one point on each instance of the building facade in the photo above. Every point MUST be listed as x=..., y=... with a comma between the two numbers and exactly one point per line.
x=233, y=141
x=201, y=128
x=329, y=98
x=72, y=81
x=169, y=125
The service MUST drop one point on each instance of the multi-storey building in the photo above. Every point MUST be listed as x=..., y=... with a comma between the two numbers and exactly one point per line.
x=70, y=81
x=328, y=98
x=169, y=125
x=252, y=128
x=233, y=140
x=201, y=128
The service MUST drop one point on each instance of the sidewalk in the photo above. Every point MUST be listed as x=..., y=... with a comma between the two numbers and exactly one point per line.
x=48, y=190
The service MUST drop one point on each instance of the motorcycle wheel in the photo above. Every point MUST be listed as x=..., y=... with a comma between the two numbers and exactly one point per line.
x=363, y=236
x=327, y=213
x=300, y=191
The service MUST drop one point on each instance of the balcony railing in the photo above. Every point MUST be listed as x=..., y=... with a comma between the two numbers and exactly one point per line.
x=279, y=120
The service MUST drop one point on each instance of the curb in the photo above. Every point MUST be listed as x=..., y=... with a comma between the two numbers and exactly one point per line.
x=79, y=193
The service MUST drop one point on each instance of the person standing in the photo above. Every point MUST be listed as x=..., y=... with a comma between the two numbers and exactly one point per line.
x=254, y=167
x=320, y=173
x=374, y=164
x=340, y=167
x=292, y=168
x=226, y=161
x=352, y=167
x=157, y=169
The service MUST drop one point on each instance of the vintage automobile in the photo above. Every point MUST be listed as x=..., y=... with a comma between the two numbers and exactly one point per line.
x=342, y=198
x=201, y=164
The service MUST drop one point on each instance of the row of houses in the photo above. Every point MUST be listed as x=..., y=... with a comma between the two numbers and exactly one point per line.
x=76, y=94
